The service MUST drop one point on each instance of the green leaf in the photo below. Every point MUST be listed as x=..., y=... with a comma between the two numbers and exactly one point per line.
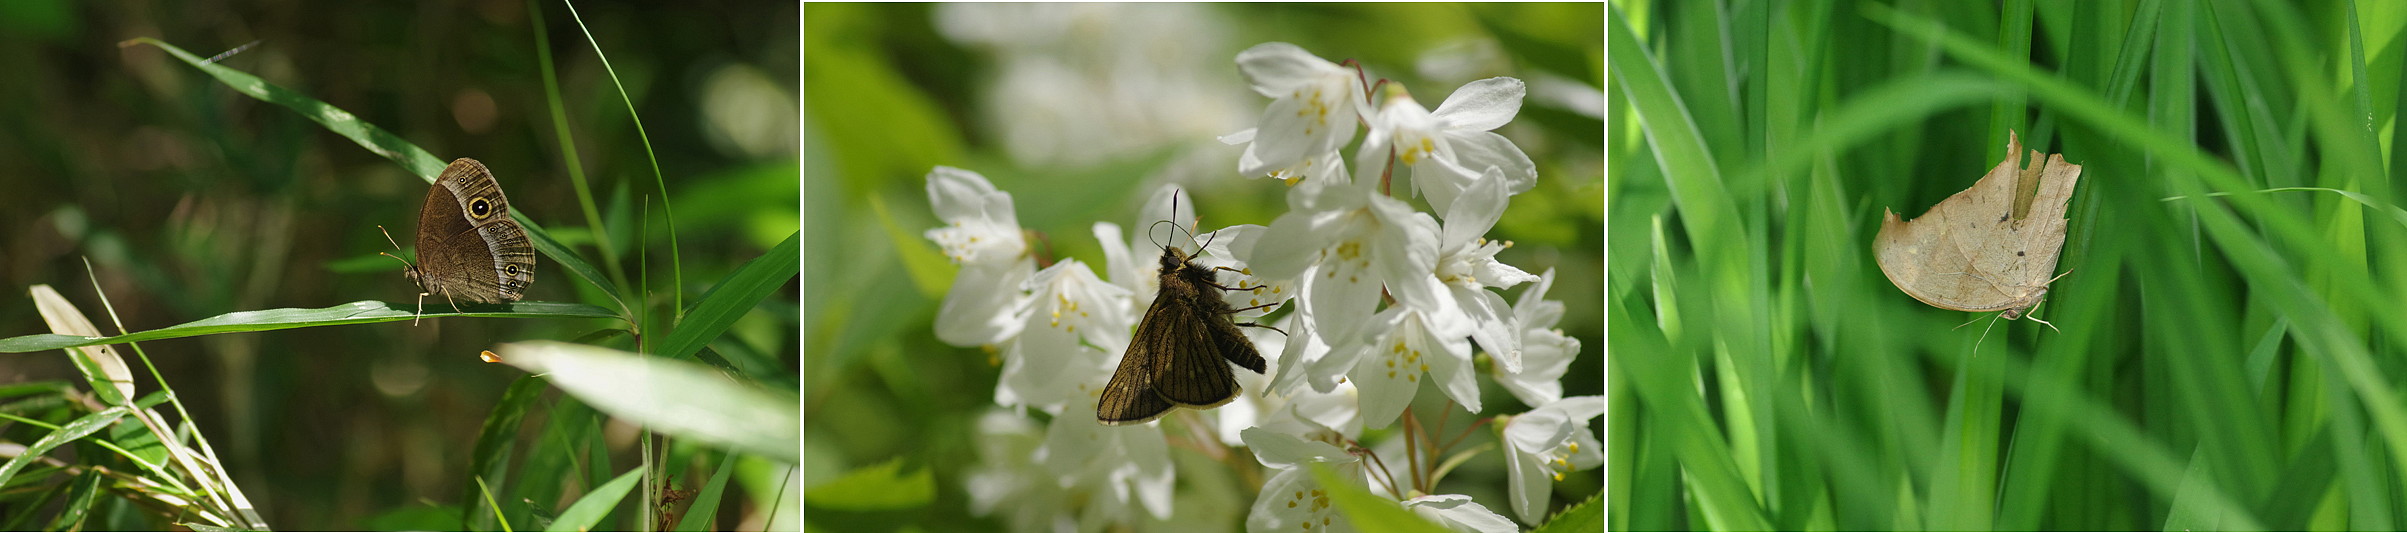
x=73, y=430
x=341, y=122
x=734, y=296
x=589, y=510
x=491, y=459
x=706, y=505
x=1581, y=517
x=670, y=396
x=1370, y=512
x=137, y=440
x=360, y=312
x=882, y=487
x=412, y=158
x=79, y=505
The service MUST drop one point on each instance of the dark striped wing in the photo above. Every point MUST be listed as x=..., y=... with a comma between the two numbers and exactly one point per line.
x=1129, y=398
x=1189, y=371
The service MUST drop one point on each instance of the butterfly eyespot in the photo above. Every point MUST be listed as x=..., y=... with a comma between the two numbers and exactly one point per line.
x=511, y=270
x=480, y=207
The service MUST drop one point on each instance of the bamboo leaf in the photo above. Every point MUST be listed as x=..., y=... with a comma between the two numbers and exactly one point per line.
x=360, y=312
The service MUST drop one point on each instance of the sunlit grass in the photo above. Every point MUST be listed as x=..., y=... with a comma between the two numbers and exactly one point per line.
x=2224, y=360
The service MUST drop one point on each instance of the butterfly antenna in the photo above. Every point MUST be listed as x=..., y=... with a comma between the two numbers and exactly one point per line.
x=388, y=237
x=1149, y=233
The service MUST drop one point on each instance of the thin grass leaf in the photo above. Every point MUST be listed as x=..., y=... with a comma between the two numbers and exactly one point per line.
x=490, y=461
x=698, y=517
x=734, y=296
x=574, y=163
x=81, y=427
x=486, y=491
x=360, y=312
x=669, y=396
x=412, y=158
x=676, y=268
x=341, y=122
x=590, y=509
x=102, y=368
x=79, y=504
x=569, y=259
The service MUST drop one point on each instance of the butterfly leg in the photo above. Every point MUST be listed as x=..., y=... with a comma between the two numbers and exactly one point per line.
x=455, y=306
x=421, y=310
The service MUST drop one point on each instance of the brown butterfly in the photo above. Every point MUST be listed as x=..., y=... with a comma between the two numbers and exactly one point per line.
x=1176, y=357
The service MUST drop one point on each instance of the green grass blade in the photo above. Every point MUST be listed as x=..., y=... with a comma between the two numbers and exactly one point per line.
x=79, y=504
x=341, y=122
x=734, y=296
x=568, y=144
x=706, y=505
x=568, y=259
x=590, y=509
x=490, y=461
x=360, y=312
x=417, y=160
x=676, y=269
x=486, y=491
x=73, y=430
x=669, y=396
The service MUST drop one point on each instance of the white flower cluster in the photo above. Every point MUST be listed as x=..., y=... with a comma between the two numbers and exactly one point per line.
x=1383, y=295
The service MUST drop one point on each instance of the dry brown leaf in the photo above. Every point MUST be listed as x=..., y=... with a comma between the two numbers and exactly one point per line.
x=1992, y=247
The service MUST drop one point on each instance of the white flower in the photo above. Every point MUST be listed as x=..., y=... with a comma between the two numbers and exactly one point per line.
x=1314, y=110
x=1005, y=478
x=1325, y=167
x=1545, y=442
x=1467, y=264
x=1457, y=512
x=982, y=234
x=1452, y=147
x=1077, y=326
x=1546, y=353
x=1292, y=500
x=1347, y=243
x=1402, y=344
x=1120, y=467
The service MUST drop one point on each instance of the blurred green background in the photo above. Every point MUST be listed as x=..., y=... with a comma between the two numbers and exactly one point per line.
x=2224, y=363
x=1080, y=111
x=192, y=200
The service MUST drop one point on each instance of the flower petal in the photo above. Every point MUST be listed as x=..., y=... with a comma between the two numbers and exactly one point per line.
x=1529, y=483
x=1458, y=513
x=1491, y=324
x=1452, y=370
x=1480, y=150
x=959, y=194
x=1483, y=105
x=1282, y=450
x=1274, y=68
x=1476, y=211
x=984, y=305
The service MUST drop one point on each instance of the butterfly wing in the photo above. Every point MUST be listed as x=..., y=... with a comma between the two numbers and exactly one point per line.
x=1128, y=399
x=1190, y=371
x=499, y=263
